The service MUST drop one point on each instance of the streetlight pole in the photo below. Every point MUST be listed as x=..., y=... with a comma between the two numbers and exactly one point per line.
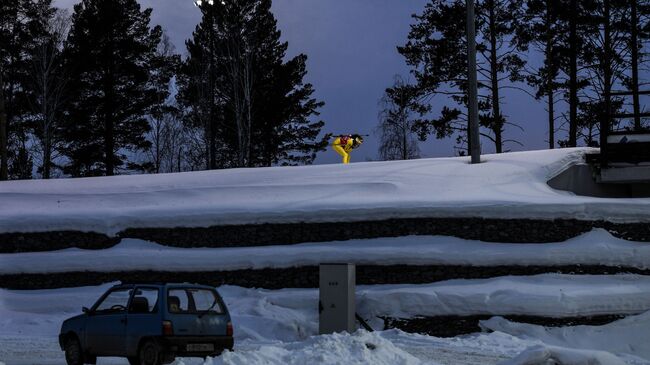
x=472, y=86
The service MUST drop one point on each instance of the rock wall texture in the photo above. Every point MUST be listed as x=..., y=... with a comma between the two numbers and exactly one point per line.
x=299, y=277
x=488, y=230
x=451, y=326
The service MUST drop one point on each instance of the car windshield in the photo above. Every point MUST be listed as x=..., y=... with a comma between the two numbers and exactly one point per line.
x=115, y=301
x=191, y=300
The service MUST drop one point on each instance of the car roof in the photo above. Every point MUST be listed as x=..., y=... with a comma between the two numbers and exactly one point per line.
x=162, y=284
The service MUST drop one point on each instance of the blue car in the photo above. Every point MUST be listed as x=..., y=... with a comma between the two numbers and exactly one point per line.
x=149, y=324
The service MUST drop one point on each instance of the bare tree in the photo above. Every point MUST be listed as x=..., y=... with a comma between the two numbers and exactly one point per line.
x=164, y=115
x=49, y=79
x=396, y=121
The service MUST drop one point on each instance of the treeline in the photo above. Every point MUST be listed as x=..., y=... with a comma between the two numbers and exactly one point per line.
x=102, y=91
x=572, y=55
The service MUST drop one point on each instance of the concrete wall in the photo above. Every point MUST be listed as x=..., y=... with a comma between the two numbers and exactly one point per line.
x=579, y=179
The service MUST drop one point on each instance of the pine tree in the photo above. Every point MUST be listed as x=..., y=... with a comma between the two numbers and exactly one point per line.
x=539, y=28
x=252, y=106
x=111, y=53
x=20, y=27
x=436, y=51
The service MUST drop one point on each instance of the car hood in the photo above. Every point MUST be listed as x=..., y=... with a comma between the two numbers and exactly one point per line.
x=73, y=323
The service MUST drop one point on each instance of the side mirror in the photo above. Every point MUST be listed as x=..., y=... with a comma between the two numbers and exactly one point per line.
x=85, y=310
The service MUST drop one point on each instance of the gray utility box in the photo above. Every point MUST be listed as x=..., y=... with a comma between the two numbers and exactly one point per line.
x=337, y=298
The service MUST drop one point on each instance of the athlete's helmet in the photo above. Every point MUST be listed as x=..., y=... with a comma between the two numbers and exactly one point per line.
x=357, y=140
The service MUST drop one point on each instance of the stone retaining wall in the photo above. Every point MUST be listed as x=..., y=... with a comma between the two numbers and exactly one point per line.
x=488, y=230
x=299, y=277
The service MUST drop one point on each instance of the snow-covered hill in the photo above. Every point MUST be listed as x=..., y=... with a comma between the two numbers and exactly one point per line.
x=511, y=185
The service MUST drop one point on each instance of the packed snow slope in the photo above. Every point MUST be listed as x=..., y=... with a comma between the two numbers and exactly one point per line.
x=511, y=185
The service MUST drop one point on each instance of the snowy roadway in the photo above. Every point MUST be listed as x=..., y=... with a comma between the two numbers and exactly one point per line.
x=279, y=326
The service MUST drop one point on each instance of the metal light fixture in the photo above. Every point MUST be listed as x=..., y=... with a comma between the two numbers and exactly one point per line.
x=198, y=3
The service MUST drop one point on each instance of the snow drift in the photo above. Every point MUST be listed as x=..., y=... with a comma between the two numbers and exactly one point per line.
x=594, y=248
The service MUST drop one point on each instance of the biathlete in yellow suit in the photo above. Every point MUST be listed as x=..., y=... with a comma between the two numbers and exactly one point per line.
x=344, y=144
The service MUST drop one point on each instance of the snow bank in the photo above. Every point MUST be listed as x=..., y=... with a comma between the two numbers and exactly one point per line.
x=594, y=248
x=541, y=354
x=280, y=326
x=291, y=314
x=628, y=335
x=510, y=185
x=359, y=348
x=549, y=295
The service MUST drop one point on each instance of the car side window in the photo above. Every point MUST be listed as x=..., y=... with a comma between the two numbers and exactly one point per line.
x=178, y=301
x=115, y=302
x=145, y=300
x=205, y=300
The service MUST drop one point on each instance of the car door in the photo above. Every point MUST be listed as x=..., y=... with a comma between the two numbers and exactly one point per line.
x=106, y=326
x=144, y=317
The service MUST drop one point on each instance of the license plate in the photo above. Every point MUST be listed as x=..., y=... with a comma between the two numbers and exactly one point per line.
x=199, y=347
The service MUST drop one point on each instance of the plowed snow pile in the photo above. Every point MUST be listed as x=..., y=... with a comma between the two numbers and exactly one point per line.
x=280, y=327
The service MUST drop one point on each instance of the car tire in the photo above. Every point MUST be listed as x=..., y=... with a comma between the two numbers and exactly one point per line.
x=73, y=352
x=150, y=353
x=133, y=360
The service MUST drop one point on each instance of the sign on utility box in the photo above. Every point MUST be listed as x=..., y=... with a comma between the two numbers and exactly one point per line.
x=337, y=298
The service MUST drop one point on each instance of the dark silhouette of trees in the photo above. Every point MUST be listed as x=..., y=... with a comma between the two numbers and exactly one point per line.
x=251, y=106
x=111, y=55
x=436, y=51
x=21, y=25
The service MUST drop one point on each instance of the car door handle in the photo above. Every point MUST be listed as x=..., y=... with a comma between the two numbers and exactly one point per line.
x=123, y=320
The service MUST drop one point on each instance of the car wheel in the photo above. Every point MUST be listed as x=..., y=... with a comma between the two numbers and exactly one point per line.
x=133, y=360
x=150, y=354
x=73, y=352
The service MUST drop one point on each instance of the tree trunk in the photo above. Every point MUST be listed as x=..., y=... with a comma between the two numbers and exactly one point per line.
x=550, y=76
x=212, y=123
x=405, y=148
x=497, y=125
x=46, y=115
x=607, y=73
x=4, y=163
x=634, y=47
x=109, y=112
x=573, y=75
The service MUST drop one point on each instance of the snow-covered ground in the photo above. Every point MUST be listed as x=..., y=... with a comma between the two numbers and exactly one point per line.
x=510, y=185
x=594, y=248
x=280, y=326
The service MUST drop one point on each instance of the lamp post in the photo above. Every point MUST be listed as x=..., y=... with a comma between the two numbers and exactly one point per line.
x=472, y=86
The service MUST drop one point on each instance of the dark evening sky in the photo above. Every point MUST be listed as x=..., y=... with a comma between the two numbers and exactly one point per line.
x=351, y=46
